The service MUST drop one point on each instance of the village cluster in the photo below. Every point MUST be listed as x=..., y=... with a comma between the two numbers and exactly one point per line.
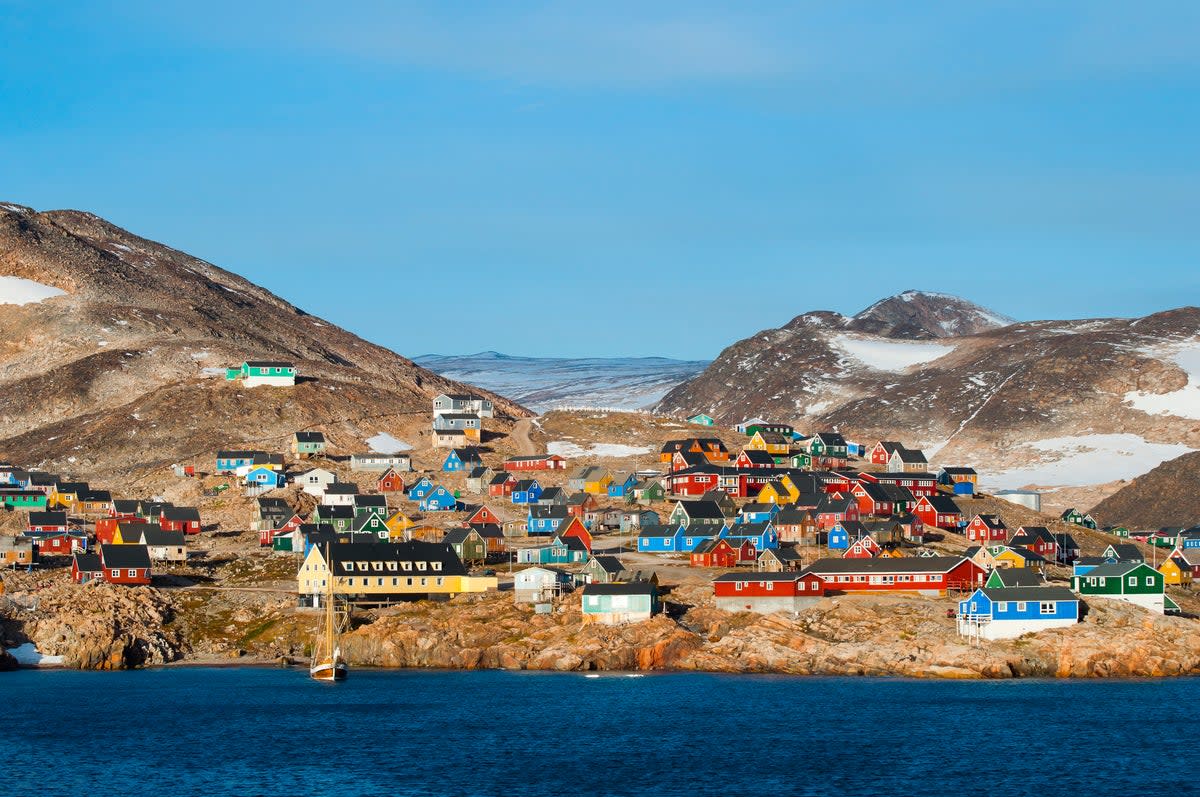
x=790, y=518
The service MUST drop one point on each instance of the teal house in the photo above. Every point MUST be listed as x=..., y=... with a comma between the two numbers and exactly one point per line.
x=613, y=604
x=25, y=499
x=254, y=373
x=1132, y=582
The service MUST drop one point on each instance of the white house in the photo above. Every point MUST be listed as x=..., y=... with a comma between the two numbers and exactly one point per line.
x=315, y=481
x=339, y=494
x=538, y=584
x=463, y=403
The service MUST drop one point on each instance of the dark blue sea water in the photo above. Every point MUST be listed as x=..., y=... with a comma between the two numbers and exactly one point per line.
x=179, y=732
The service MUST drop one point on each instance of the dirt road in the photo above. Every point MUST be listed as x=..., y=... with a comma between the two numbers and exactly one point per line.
x=520, y=437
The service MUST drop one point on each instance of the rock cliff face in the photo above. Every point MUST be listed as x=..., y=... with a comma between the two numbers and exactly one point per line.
x=124, y=370
x=1169, y=495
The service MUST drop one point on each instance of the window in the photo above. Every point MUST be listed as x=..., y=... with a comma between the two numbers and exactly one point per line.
x=1020, y=606
x=1149, y=581
x=395, y=582
x=1001, y=606
x=116, y=574
x=974, y=606
x=737, y=585
x=1133, y=581
x=1048, y=607
x=437, y=566
x=424, y=582
x=379, y=582
x=770, y=585
x=438, y=581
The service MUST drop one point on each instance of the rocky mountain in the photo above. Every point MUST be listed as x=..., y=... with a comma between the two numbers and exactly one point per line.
x=542, y=383
x=1047, y=403
x=1169, y=495
x=112, y=350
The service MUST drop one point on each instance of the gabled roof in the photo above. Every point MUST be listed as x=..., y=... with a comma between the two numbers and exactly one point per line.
x=341, y=488
x=1017, y=577
x=904, y=564
x=87, y=562
x=943, y=504
x=47, y=518
x=958, y=471
x=124, y=556
x=310, y=437
x=159, y=537
x=831, y=438
x=1115, y=570
x=991, y=521
x=1029, y=594
x=623, y=588
x=707, y=510
x=911, y=456
x=609, y=564
x=1127, y=552
x=413, y=551
x=183, y=514
x=658, y=531
x=270, y=364
x=1030, y=534
x=459, y=536
x=757, y=456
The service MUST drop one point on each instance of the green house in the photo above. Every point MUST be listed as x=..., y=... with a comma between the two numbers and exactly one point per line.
x=308, y=444
x=1120, y=531
x=341, y=518
x=650, y=491
x=702, y=420
x=26, y=499
x=800, y=461
x=263, y=372
x=469, y=544
x=375, y=525
x=1132, y=582
x=1075, y=517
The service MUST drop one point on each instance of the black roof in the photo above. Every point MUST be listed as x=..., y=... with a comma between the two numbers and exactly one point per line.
x=1031, y=594
x=181, y=513
x=905, y=564
x=310, y=437
x=412, y=551
x=943, y=504
x=609, y=564
x=88, y=562
x=1018, y=577
x=750, y=575
x=156, y=536
x=125, y=556
x=709, y=510
x=624, y=588
x=47, y=518
x=342, y=488
x=548, y=511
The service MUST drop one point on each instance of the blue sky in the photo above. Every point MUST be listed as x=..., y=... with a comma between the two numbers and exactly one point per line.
x=624, y=178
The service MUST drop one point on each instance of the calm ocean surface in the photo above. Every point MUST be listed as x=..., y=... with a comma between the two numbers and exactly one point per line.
x=251, y=731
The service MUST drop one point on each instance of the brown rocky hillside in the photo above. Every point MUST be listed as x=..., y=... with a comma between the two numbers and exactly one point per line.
x=1169, y=495
x=123, y=373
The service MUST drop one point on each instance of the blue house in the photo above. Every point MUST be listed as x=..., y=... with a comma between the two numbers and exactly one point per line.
x=621, y=485
x=545, y=519
x=759, y=513
x=844, y=533
x=229, y=461
x=439, y=499
x=460, y=459
x=1008, y=612
x=761, y=535
x=660, y=539
x=690, y=537
x=422, y=488
x=265, y=476
x=527, y=491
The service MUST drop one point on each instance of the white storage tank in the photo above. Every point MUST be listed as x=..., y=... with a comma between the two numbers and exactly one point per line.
x=1026, y=498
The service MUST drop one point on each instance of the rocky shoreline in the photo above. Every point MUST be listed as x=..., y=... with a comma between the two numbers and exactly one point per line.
x=104, y=627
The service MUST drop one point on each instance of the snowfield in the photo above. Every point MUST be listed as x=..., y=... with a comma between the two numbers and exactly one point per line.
x=888, y=355
x=18, y=290
x=1083, y=460
x=567, y=449
x=1182, y=403
x=384, y=443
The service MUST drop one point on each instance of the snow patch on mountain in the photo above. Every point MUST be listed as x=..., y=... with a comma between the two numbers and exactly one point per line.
x=384, y=443
x=1080, y=460
x=20, y=291
x=888, y=355
x=1182, y=403
x=564, y=448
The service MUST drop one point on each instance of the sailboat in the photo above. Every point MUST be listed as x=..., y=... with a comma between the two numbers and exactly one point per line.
x=327, y=663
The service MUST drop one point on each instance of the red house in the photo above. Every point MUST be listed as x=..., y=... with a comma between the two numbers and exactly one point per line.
x=939, y=511
x=266, y=536
x=918, y=484
x=483, y=515
x=86, y=567
x=63, y=544
x=715, y=553
x=986, y=528
x=106, y=527
x=390, y=482
x=766, y=592
x=47, y=522
x=864, y=547
x=835, y=509
x=872, y=499
x=929, y=575
x=125, y=564
x=882, y=451
x=575, y=528
x=536, y=462
x=180, y=518
x=692, y=483
x=501, y=485
x=1037, y=539
x=754, y=459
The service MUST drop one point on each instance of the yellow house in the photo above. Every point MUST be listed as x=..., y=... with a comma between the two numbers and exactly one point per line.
x=774, y=492
x=773, y=443
x=1176, y=571
x=16, y=551
x=983, y=557
x=890, y=551
x=597, y=484
x=1018, y=558
x=92, y=502
x=129, y=532
x=385, y=573
x=398, y=525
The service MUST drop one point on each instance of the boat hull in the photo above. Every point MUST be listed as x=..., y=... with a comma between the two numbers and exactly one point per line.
x=329, y=671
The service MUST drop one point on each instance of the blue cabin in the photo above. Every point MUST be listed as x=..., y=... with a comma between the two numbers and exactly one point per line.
x=453, y=463
x=689, y=537
x=562, y=551
x=660, y=539
x=759, y=513
x=1008, y=612
x=838, y=538
x=262, y=475
x=439, y=499
x=230, y=461
x=422, y=488
x=527, y=491
x=545, y=519
x=964, y=488
x=761, y=535
x=624, y=487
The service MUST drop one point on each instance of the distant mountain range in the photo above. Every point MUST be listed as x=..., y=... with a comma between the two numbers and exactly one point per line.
x=542, y=383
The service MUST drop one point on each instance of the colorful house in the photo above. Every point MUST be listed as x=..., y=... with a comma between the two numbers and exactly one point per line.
x=384, y=573
x=613, y=604
x=926, y=575
x=765, y=593
x=718, y=553
x=661, y=539
x=421, y=488
x=961, y=481
x=536, y=462
x=986, y=529
x=265, y=477
x=1133, y=582
x=696, y=513
x=306, y=445
x=468, y=544
x=1013, y=556
x=560, y=551
x=180, y=518
x=125, y=564
x=1176, y=571
x=775, y=444
x=574, y=528
x=439, y=499
x=271, y=373
x=461, y=459
x=1077, y=518
x=597, y=482
x=390, y=482
x=701, y=419
x=1010, y=612
x=526, y=491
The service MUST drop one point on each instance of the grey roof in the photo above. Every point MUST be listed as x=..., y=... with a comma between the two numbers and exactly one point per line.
x=310, y=437
x=1031, y=594
x=270, y=364
x=51, y=518
x=181, y=513
x=709, y=510
x=943, y=504
x=1017, y=577
x=156, y=536
x=609, y=564
x=758, y=575
x=625, y=588
x=1127, y=552
x=413, y=551
x=1115, y=570
x=88, y=562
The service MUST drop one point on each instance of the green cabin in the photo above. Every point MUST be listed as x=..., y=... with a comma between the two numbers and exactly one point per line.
x=702, y=420
x=26, y=499
x=1133, y=582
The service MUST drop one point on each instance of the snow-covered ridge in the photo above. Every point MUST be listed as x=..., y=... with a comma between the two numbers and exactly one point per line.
x=20, y=291
x=564, y=448
x=384, y=443
x=888, y=355
x=1080, y=460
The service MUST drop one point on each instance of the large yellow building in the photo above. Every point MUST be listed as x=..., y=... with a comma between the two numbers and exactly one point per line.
x=383, y=573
